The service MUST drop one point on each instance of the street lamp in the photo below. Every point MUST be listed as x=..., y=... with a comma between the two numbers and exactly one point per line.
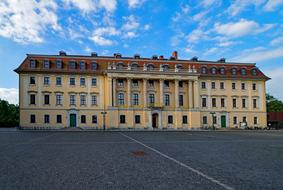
x=212, y=114
x=104, y=115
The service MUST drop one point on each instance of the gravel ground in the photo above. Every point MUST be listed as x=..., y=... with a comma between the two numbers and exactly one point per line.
x=141, y=160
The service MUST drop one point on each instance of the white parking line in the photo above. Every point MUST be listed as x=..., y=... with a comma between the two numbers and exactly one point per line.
x=181, y=164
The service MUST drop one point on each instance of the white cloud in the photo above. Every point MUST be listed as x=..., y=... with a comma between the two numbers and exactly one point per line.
x=87, y=6
x=241, y=28
x=146, y=27
x=99, y=36
x=135, y=3
x=277, y=41
x=197, y=35
x=274, y=86
x=208, y=3
x=259, y=54
x=131, y=23
x=26, y=21
x=240, y=5
x=271, y=5
x=10, y=94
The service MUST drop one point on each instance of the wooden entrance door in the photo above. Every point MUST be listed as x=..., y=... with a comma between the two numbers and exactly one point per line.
x=155, y=120
x=223, y=121
x=73, y=120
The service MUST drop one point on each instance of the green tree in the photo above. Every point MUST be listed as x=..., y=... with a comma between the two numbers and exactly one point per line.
x=9, y=114
x=273, y=104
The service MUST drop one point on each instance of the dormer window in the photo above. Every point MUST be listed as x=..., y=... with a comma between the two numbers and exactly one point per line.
x=117, y=55
x=213, y=70
x=120, y=65
x=254, y=72
x=165, y=67
x=134, y=66
x=154, y=57
x=46, y=64
x=243, y=71
x=222, y=71
x=94, y=65
x=234, y=71
x=82, y=65
x=137, y=56
x=58, y=64
x=203, y=70
x=72, y=65
x=32, y=63
x=150, y=67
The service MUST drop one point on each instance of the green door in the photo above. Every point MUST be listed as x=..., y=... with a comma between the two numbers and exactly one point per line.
x=73, y=120
x=223, y=121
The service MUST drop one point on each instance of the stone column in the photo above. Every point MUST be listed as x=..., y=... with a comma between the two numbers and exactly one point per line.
x=114, y=92
x=176, y=93
x=161, y=82
x=145, y=93
x=196, y=94
x=190, y=93
x=129, y=83
x=110, y=91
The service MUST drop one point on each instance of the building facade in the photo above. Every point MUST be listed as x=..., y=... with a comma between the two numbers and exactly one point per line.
x=58, y=91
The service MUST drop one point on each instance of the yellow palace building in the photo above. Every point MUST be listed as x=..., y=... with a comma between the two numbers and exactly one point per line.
x=117, y=92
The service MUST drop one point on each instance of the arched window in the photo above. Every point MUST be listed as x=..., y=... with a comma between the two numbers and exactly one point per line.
x=120, y=65
x=222, y=71
x=254, y=71
x=179, y=67
x=213, y=70
x=234, y=71
x=134, y=66
x=243, y=71
x=203, y=70
x=165, y=67
x=150, y=67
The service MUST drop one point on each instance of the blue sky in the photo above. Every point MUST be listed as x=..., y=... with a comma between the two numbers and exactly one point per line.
x=239, y=30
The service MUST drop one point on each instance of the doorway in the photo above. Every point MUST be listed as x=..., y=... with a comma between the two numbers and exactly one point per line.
x=155, y=120
x=73, y=120
x=223, y=121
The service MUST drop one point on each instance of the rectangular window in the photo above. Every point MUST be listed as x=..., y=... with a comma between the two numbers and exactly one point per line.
x=82, y=81
x=243, y=86
x=46, y=64
x=32, y=118
x=170, y=119
x=32, y=99
x=213, y=86
x=137, y=119
x=135, y=99
x=244, y=103
x=72, y=100
x=181, y=100
x=167, y=99
x=93, y=82
x=122, y=119
x=120, y=82
x=32, y=63
x=46, y=80
x=58, y=64
x=222, y=103
x=93, y=100
x=83, y=99
x=235, y=120
x=254, y=86
x=166, y=83
x=151, y=83
x=151, y=99
x=58, y=99
x=245, y=119
x=46, y=119
x=93, y=65
x=46, y=99
x=233, y=85
x=181, y=84
x=135, y=83
x=185, y=119
x=59, y=118
x=254, y=103
x=94, y=119
x=82, y=65
x=203, y=102
x=72, y=81
x=83, y=119
x=214, y=102
x=32, y=80
x=255, y=120
x=72, y=65
x=203, y=85
x=204, y=119
x=222, y=85
x=121, y=99
x=234, y=102
x=58, y=81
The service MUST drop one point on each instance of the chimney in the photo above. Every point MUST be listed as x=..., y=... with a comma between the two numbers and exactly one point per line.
x=161, y=57
x=175, y=54
x=93, y=54
x=62, y=53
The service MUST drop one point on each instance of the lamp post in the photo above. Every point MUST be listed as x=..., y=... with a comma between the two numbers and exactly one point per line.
x=104, y=115
x=212, y=114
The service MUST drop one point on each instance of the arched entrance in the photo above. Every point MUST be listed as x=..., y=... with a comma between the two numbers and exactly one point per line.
x=155, y=120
